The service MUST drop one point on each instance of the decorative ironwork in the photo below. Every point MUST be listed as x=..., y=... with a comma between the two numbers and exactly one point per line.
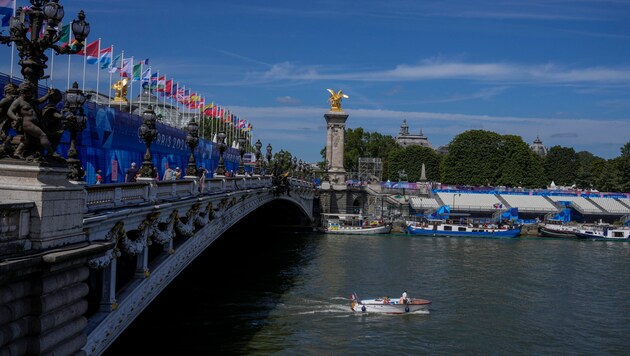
x=192, y=139
x=220, y=171
x=148, y=132
x=269, y=156
x=75, y=121
x=25, y=30
x=257, y=168
x=241, y=151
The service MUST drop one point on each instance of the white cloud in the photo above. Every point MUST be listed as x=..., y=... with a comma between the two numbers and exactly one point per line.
x=432, y=70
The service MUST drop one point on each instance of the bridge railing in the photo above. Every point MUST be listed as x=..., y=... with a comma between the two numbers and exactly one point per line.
x=108, y=196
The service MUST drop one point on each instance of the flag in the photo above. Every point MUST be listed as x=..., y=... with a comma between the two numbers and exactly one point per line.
x=64, y=34
x=168, y=87
x=174, y=90
x=6, y=11
x=145, y=62
x=91, y=51
x=127, y=67
x=136, y=72
x=106, y=57
x=161, y=83
x=146, y=78
x=116, y=63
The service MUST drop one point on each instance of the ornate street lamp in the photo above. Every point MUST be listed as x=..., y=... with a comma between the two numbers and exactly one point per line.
x=75, y=121
x=241, y=151
x=148, y=132
x=258, y=146
x=269, y=156
x=26, y=27
x=220, y=171
x=192, y=139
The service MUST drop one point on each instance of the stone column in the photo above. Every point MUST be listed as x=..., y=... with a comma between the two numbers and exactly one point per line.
x=335, y=135
x=57, y=217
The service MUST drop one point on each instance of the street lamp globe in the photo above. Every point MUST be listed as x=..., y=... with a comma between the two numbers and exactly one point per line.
x=80, y=28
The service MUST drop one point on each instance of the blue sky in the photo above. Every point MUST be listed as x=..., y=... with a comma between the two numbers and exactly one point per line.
x=550, y=68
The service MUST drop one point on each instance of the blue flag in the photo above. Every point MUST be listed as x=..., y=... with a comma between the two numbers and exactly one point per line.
x=6, y=11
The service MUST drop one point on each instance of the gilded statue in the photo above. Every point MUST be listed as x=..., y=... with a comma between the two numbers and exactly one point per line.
x=335, y=99
x=121, y=91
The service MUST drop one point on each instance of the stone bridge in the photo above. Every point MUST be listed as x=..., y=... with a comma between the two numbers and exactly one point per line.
x=79, y=263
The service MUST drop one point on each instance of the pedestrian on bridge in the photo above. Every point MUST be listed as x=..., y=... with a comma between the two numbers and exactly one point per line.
x=131, y=173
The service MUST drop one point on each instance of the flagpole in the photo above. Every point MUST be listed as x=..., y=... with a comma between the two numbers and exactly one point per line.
x=69, y=57
x=98, y=67
x=131, y=86
x=109, y=89
x=52, y=66
x=13, y=44
x=141, y=89
x=84, y=63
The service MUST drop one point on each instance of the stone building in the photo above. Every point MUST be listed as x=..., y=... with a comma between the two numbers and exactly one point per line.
x=405, y=139
x=538, y=148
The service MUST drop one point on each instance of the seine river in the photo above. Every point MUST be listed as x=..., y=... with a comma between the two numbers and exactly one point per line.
x=288, y=295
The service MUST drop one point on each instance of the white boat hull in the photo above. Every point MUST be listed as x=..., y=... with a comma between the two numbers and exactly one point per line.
x=385, y=229
x=420, y=306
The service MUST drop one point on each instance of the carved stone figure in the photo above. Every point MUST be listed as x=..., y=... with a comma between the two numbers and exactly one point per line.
x=335, y=99
x=121, y=91
x=53, y=119
x=10, y=93
x=25, y=118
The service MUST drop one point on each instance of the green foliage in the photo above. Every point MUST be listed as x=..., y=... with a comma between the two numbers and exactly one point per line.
x=474, y=158
x=410, y=159
x=590, y=167
x=479, y=157
x=561, y=165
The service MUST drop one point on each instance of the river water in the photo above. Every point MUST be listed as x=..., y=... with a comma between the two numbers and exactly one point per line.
x=287, y=294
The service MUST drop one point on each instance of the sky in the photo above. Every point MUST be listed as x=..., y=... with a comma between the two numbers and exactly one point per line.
x=554, y=69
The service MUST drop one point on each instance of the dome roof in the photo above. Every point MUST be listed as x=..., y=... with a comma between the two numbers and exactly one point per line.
x=538, y=147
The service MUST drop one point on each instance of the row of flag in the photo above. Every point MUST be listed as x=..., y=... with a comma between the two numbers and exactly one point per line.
x=141, y=71
x=136, y=71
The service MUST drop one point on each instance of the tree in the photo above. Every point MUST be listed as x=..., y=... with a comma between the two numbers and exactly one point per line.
x=474, y=158
x=410, y=159
x=561, y=165
x=589, y=168
x=624, y=168
x=516, y=159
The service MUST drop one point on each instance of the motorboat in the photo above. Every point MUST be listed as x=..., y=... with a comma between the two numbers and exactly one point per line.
x=556, y=228
x=449, y=228
x=602, y=231
x=386, y=305
x=353, y=224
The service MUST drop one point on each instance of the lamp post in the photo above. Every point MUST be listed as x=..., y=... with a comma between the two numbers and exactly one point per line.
x=75, y=121
x=148, y=132
x=269, y=156
x=220, y=171
x=192, y=139
x=25, y=30
x=241, y=151
x=258, y=146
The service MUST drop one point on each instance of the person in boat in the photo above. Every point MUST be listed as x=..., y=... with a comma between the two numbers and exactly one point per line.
x=404, y=299
x=386, y=300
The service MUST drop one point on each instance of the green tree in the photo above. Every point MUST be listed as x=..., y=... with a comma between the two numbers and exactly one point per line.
x=410, y=159
x=624, y=168
x=589, y=168
x=561, y=165
x=474, y=158
x=516, y=159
